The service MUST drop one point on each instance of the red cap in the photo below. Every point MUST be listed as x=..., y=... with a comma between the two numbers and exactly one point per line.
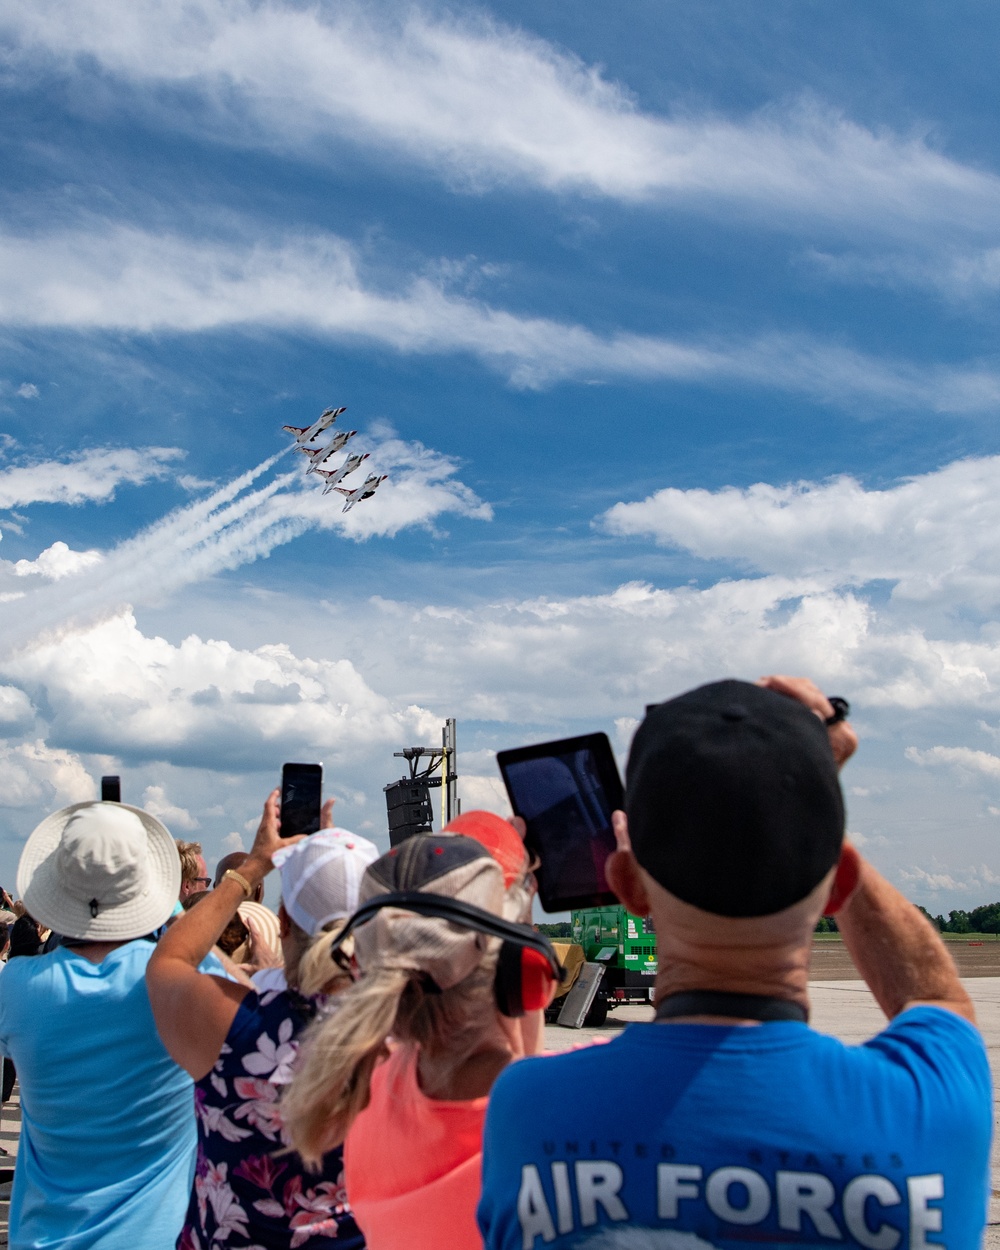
x=499, y=837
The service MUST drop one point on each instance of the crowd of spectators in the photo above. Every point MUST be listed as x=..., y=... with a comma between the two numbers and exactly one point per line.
x=363, y=1066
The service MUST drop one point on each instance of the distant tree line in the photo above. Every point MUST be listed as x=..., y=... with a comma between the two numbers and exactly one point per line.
x=985, y=919
x=562, y=930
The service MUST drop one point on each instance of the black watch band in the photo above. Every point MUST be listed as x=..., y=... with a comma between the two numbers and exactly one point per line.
x=841, y=709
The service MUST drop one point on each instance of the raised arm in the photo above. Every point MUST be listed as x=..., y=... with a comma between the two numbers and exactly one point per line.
x=897, y=950
x=194, y=1011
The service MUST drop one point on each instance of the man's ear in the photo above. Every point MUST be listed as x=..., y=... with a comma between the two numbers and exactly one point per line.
x=845, y=879
x=625, y=878
x=284, y=928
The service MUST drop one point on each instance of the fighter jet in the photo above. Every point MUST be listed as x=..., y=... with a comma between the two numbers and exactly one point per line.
x=333, y=476
x=306, y=433
x=371, y=484
x=320, y=454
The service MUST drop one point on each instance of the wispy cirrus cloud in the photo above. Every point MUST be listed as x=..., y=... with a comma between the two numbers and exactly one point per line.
x=115, y=277
x=483, y=103
x=87, y=477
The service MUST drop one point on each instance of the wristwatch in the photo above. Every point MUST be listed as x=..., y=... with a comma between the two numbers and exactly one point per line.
x=841, y=709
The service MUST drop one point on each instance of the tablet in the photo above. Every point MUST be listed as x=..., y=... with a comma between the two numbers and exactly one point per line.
x=566, y=792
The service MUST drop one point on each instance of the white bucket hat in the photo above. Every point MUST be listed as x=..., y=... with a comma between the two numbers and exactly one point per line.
x=321, y=876
x=104, y=872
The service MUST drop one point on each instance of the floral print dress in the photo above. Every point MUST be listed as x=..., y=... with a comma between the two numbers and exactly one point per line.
x=247, y=1194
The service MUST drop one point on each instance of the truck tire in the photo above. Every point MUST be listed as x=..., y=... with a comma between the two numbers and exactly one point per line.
x=598, y=1012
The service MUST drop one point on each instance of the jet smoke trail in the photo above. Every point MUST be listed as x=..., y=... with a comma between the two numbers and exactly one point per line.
x=221, y=531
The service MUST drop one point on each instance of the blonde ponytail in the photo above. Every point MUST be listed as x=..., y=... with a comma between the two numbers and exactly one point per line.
x=318, y=972
x=332, y=1082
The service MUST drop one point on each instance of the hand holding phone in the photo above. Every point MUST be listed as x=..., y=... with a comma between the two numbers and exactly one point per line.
x=301, y=798
x=566, y=792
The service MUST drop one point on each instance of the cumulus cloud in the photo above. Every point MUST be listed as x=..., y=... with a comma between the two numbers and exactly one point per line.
x=483, y=792
x=933, y=534
x=931, y=881
x=34, y=775
x=483, y=103
x=28, y=390
x=56, y=562
x=16, y=710
x=963, y=758
x=155, y=801
x=520, y=661
x=121, y=278
x=112, y=690
x=87, y=477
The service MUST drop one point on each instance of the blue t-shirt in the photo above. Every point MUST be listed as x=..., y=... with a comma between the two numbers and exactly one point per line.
x=107, y=1147
x=687, y=1137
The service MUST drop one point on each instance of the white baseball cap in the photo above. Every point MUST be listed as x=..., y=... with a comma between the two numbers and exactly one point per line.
x=105, y=872
x=321, y=876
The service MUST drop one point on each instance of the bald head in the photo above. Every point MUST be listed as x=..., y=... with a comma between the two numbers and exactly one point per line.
x=233, y=862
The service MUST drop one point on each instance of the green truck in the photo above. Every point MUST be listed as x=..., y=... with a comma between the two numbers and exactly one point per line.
x=626, y=946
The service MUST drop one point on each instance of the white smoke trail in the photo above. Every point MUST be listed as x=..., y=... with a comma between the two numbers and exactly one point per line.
x=185, y=546
x=234, y=525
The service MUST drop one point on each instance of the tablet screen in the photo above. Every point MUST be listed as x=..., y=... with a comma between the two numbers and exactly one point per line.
x=566, y=792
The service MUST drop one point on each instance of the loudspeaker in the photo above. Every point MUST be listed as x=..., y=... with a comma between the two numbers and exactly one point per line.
x=408, y=804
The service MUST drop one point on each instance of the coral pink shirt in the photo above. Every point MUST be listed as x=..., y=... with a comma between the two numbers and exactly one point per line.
x=412, y=1164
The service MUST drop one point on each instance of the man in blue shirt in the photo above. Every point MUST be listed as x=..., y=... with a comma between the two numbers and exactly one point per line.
x=106, y=1158
x=728, y=1120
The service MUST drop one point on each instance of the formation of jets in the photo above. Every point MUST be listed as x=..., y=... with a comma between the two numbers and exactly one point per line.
x=333, y=476
x=371, y=484
x=305, y=434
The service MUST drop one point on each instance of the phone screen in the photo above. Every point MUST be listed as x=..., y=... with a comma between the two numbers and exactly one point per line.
x=301, y=797
x=111, y=789
x=566, y=792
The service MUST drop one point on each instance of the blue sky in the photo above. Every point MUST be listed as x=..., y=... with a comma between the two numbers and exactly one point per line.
x=674, y=328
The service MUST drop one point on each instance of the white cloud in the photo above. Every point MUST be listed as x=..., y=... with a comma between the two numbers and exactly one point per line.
x=16, y=710
x=35, y=775
x=964, y=758
x=121, y=278
x=482, y=103
x=56, y=562
x=155, y=801
x=960, y=273
x=483, y=793
x=89, y=476
x=233, y=842
x=520, y=661
x=237, y=524
x=935, y=535
x=28, y=390
x=931, y=881
x=205, y=703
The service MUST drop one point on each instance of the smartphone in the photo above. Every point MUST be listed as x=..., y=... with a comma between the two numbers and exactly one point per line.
x=566, y=792
x=301, y=798
x=111, y=789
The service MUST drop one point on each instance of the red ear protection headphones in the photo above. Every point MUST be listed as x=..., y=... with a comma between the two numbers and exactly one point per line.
x=527, y=966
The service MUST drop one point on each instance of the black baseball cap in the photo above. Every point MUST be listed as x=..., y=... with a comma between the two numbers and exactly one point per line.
x=733, y=800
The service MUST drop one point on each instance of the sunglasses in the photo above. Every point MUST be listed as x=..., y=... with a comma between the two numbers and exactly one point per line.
x=205, y=881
